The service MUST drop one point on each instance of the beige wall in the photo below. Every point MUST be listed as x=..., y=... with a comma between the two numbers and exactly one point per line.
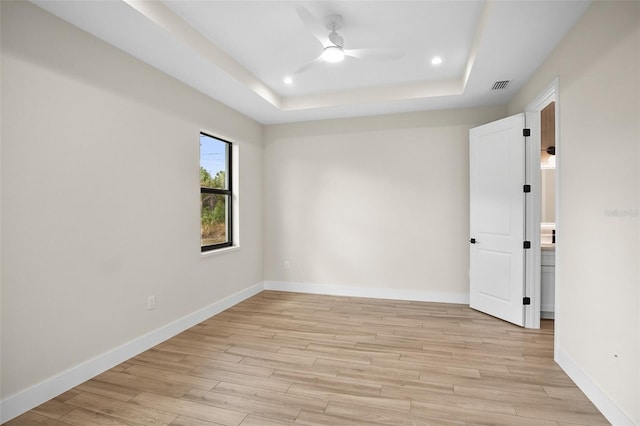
x=100, y=202
x=100, y=198
x=548, y=207
x=372, y=203
x=598, y=245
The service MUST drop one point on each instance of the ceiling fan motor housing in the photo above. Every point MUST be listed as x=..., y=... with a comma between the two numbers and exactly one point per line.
x=333, y=22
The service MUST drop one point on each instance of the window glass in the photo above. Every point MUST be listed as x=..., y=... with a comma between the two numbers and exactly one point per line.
x=215, y=193
x=214, y=158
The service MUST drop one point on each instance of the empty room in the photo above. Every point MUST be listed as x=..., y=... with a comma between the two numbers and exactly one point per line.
x=320, y=212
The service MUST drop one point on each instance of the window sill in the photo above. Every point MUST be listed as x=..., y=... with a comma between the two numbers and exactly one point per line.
x=219, y=251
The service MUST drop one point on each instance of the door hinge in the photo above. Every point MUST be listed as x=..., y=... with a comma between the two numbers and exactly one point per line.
x=527, y=244
x=526, y=300
x=526, y=188
x=526, y=132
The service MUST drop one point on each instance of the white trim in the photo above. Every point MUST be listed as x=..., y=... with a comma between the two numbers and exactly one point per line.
x=532, y=224
x=547, y=314
x=548, y=95
x=371, y=292
x=607, y=407
x=219, y=251
x=533, y=279
x=27, y=399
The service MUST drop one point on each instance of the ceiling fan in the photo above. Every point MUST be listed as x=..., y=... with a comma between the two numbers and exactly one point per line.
x=551, y=150
x=333, y=44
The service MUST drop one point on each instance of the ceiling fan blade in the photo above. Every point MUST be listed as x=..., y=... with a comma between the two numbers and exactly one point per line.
x=313, y=24
x=308, y=66
x=375, y=54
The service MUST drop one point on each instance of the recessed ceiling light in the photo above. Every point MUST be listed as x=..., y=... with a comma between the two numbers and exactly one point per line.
x=436, y=60
x=288, y=80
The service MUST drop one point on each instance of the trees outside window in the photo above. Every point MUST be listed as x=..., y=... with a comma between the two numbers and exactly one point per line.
x=215, y=193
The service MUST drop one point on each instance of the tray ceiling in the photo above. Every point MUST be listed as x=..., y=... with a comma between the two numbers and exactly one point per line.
x=240, y=52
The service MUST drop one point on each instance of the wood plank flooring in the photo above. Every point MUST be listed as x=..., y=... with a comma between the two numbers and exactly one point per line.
x=286, y=358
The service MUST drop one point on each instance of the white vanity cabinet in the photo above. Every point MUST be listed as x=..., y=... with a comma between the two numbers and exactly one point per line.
x=548, y=285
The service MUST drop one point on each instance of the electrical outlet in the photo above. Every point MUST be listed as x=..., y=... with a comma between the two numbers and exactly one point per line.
x=286, y=264
x=151, y=303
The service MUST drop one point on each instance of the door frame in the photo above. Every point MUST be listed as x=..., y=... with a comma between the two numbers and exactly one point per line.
x=532, y=209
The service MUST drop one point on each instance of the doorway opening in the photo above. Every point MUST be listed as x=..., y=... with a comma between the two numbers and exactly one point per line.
x=543, y=225
x=506, y=265
x=547, y=211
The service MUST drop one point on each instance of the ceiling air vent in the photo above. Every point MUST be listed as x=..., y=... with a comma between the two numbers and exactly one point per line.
x=501, y=85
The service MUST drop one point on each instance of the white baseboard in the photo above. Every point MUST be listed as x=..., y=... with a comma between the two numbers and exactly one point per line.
x=606, y=406
x=550, y=314
x=375, y=293
x=30, y=398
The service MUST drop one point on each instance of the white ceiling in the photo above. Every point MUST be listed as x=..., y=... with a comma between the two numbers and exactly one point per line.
x=239, y=52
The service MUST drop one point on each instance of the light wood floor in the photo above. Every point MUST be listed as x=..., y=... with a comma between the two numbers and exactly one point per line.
x=286, y=358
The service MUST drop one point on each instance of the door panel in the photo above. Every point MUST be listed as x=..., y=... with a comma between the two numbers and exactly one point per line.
x=497, y=176
x=496, y=265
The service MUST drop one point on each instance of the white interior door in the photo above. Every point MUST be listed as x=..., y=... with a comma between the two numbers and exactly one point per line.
x=497, y=202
